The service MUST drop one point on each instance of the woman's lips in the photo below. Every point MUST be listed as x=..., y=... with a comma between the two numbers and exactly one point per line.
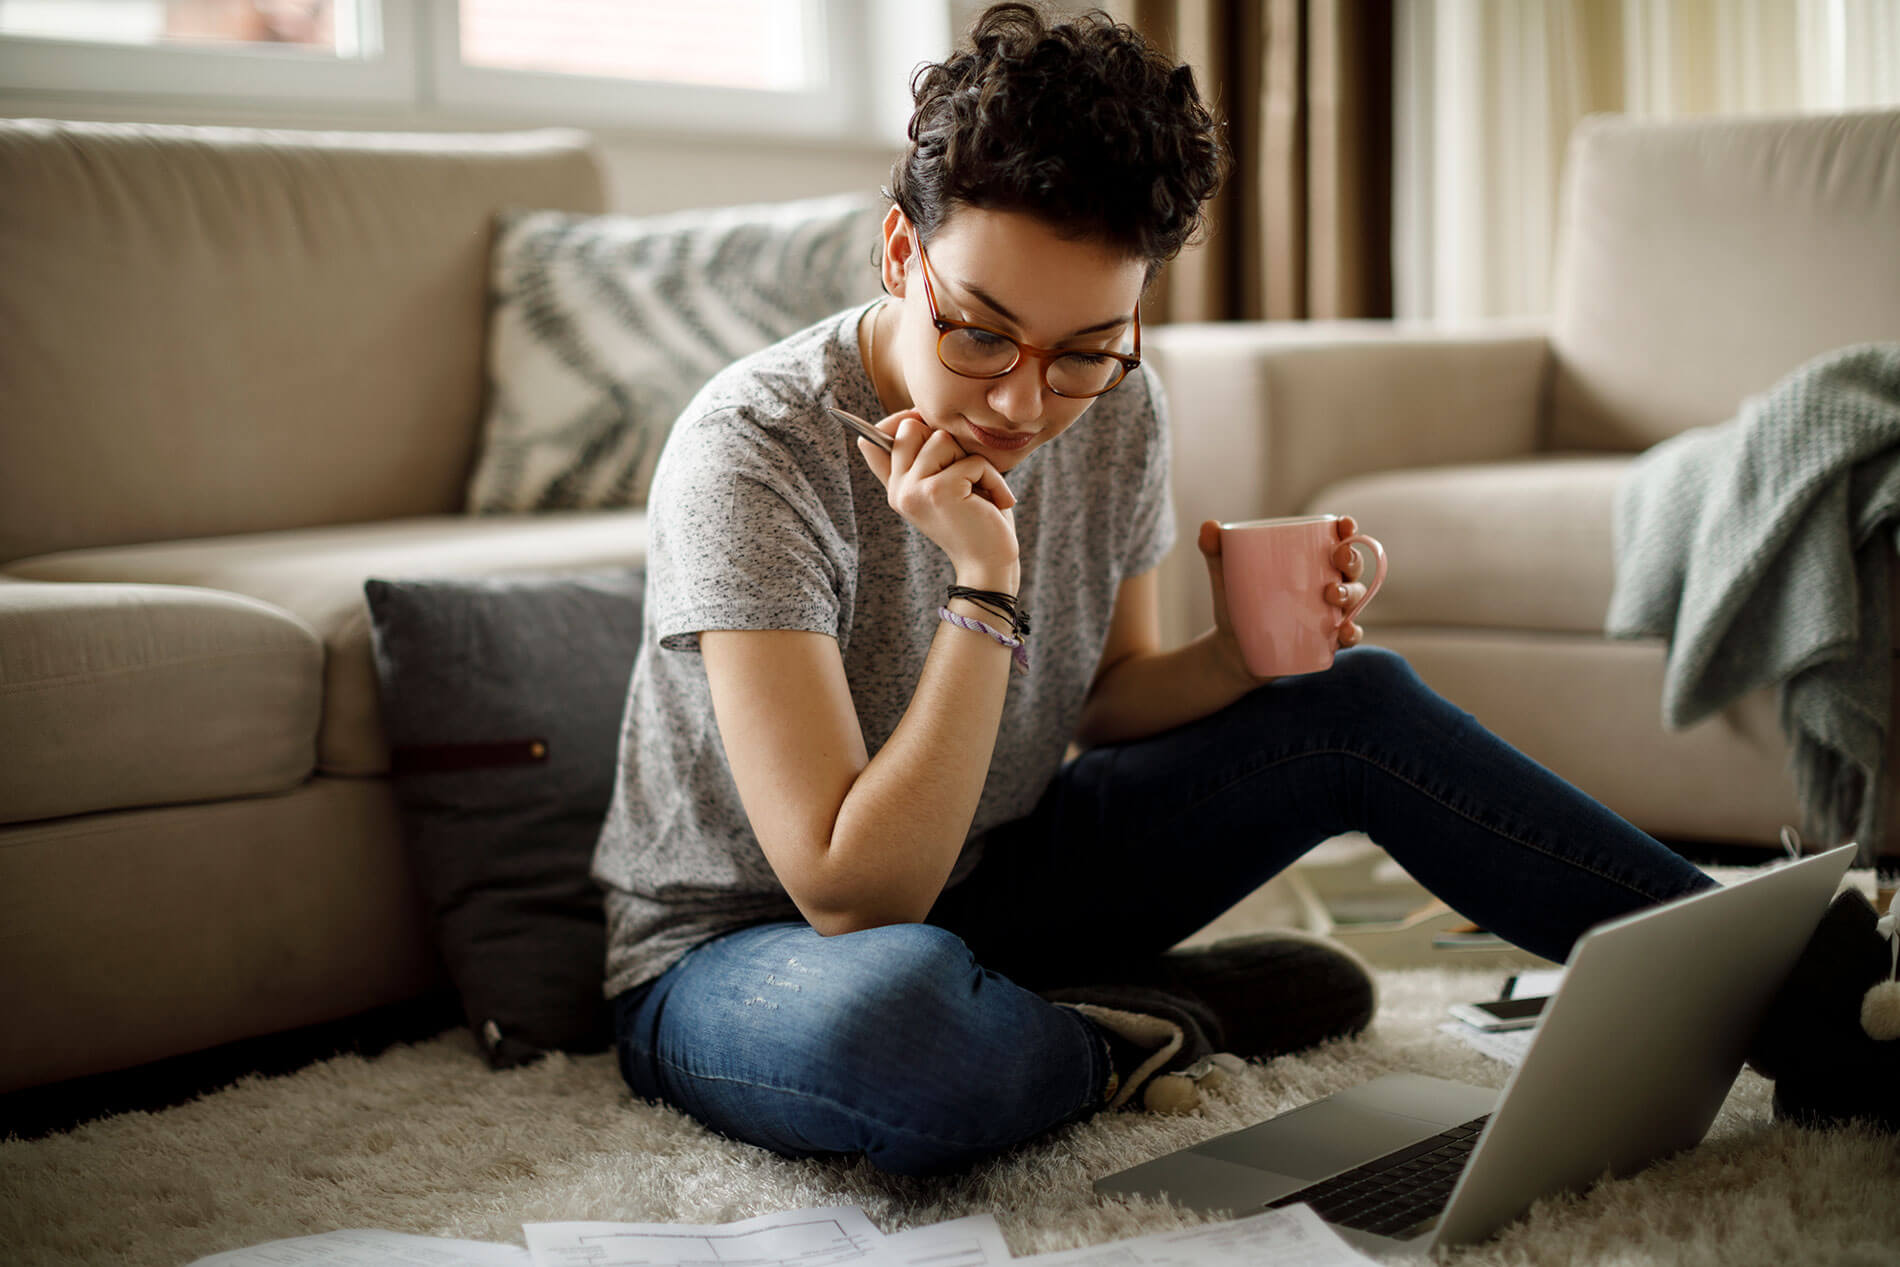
x=1004, y=440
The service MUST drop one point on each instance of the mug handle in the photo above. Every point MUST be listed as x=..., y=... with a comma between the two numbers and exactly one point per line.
x=1378, y=576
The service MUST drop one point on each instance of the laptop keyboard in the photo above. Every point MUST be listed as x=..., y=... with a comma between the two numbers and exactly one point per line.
x=1393, y=1194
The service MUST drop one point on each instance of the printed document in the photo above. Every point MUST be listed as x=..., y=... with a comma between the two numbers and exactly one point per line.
x=1291, y=1237
x=367, y=1247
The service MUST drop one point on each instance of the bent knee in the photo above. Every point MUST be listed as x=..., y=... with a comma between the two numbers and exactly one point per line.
x=1380, y=666
x=911, y=964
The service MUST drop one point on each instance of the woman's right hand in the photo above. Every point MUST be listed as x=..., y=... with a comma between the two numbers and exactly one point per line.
x=957, y=500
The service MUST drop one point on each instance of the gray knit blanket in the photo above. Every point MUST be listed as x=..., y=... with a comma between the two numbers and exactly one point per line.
x=1760, y=549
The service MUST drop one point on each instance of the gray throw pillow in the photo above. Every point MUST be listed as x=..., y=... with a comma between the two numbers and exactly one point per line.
x=502, y=699
x=601, y=328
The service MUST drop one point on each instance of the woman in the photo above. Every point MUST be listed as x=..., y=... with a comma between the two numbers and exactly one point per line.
x=848, y=869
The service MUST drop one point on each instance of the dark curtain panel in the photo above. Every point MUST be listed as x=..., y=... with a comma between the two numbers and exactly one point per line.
x=1303, y=228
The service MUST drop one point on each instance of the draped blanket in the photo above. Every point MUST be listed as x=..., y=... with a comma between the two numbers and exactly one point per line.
x=1761, y=549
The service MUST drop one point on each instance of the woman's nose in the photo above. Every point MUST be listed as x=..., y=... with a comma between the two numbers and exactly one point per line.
x=1017, y=395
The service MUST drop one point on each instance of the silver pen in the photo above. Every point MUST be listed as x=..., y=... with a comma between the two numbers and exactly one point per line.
x=863, y=428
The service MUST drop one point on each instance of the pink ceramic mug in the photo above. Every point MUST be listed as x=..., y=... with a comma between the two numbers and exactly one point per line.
x=1277, y=573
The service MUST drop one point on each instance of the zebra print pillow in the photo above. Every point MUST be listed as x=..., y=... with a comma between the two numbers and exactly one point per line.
x=603, y=327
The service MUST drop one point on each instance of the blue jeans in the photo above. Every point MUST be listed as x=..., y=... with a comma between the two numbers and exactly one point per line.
x=925, y=1046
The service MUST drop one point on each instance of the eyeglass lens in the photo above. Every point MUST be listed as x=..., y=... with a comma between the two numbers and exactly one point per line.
x=981, y=354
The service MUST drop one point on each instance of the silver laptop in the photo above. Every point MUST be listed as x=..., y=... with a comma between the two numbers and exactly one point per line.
x=1633, y=1058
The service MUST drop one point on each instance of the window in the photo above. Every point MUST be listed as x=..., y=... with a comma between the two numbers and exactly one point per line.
x=812, y=67
x=734, y=45
x=262, y=50
x=777, y=65
x=319, y=26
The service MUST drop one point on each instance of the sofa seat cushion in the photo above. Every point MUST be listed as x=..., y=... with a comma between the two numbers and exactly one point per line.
x=317, y=574
x=1499, y=545
x=113, y=696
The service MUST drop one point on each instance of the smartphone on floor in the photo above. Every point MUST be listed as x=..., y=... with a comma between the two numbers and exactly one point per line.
x=1498, y=1015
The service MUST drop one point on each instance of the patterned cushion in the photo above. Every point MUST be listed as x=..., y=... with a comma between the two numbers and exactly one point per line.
x=604, y=326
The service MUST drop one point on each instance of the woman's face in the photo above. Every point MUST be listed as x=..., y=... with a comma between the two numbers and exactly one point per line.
x=1009, y=272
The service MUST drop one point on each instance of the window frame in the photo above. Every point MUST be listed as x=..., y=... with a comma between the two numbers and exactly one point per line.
x=417, y=78
x=257, y=73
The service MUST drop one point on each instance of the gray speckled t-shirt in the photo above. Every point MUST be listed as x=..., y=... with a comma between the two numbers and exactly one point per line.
x=763, y=516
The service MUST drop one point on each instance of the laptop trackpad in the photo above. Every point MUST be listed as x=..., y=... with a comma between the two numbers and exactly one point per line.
x=1199, y=1183
x=1320, y=1139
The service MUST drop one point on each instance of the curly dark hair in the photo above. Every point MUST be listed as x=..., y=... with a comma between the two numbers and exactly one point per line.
x=1081, y=123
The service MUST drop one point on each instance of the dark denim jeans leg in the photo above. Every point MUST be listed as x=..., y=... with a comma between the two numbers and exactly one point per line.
x=1137, y=845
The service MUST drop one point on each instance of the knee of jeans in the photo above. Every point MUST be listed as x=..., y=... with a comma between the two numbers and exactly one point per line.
x=964, y=1062
x=912, y=969
x=1361, y=678
x=1375, y=669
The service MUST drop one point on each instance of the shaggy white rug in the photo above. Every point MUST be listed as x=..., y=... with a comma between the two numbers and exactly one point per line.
x=425, y=1139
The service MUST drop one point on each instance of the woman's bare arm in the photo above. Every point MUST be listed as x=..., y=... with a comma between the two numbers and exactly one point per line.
x=856, y=841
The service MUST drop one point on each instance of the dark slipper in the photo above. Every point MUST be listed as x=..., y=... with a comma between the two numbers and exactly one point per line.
x=1828, y=1068
x=1272, y=993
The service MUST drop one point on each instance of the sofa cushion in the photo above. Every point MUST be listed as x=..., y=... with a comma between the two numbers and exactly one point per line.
x=225, y=330
x=317, y=574
x=1500, y=545
x=114, y=696
x=1700, y=260
x=502, y=698
x=605, y=326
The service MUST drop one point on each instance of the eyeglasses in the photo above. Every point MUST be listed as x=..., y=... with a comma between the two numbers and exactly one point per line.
x=980, y=352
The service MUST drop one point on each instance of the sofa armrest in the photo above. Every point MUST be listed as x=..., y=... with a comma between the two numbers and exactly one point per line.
x=1268, y=414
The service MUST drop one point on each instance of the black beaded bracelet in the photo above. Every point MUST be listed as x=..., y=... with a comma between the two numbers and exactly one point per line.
x=1004, y=605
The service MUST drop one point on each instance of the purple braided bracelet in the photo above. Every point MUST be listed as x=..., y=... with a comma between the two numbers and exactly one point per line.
x=1018, y=652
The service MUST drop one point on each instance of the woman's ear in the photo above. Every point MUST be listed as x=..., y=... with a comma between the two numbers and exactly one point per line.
x=899, y=242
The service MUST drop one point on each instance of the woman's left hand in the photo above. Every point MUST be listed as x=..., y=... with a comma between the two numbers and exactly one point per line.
x=1341, y=595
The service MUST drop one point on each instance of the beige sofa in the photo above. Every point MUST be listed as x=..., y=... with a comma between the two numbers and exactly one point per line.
x=1699, y=262
x=240, y=372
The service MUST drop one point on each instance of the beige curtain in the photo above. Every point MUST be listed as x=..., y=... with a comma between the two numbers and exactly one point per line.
x=1488, y=91
x=1303, y=227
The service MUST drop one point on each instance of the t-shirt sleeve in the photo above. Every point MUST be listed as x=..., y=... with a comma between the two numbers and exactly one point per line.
x=739, y=538
x=1151, y=525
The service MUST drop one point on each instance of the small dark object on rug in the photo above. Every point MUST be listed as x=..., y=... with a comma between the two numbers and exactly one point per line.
x=1827, y=1067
